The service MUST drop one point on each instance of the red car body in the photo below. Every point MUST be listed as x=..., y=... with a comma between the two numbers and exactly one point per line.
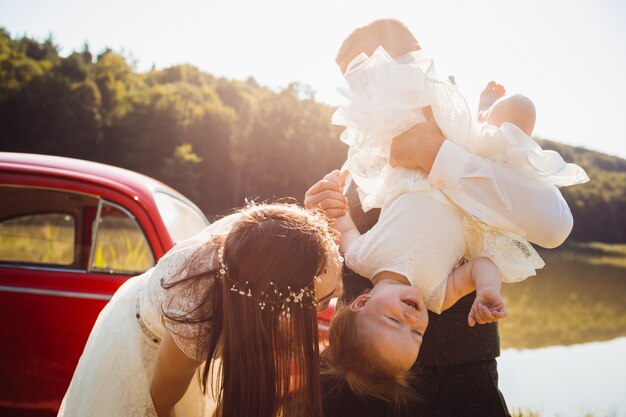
x=48, y=310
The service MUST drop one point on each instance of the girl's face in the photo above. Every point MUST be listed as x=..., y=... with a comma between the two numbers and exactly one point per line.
x=330, y=285
x=393, y=319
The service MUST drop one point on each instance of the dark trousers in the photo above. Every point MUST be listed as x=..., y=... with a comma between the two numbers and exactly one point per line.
x=468, y=390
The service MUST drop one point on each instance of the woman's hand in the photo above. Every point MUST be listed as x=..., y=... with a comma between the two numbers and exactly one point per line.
x=417, y=148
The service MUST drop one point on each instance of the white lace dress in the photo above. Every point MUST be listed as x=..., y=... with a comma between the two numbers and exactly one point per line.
x=421, y=234
x=114, y=372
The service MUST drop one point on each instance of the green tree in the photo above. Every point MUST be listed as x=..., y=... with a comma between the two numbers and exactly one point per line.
x=182, y=171
x=220, y=141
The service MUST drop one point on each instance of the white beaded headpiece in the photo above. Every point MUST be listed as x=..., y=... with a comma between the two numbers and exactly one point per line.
x=273, y=298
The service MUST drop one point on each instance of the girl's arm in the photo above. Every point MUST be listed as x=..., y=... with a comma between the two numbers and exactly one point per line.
x=172, y=373
x=348, y=232
x=482, y=275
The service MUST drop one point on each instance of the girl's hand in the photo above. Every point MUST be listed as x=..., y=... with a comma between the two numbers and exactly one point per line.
x=327, y=194
x=488, y=307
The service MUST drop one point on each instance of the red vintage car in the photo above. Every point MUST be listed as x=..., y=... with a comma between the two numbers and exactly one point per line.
x=71, y=232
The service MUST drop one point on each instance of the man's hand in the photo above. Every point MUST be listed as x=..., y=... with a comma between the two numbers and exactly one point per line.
x=487, y=308
x=417, y=147
x=327, y=194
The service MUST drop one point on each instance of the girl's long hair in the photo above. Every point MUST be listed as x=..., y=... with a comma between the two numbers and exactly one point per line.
x=350, y=361
x=269, y=360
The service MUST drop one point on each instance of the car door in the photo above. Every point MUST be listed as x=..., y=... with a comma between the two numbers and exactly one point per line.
x=62, y=255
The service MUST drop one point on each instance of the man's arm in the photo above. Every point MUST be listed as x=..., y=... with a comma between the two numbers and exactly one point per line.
x=501, y=197
x=490, y=192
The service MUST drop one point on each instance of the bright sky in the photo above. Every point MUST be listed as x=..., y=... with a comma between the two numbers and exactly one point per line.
x=569, y=56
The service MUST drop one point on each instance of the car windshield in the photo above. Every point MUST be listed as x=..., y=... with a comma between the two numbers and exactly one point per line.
x=181, y=219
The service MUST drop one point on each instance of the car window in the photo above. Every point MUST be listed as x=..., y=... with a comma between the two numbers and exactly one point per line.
x=181, y=219
x=40, y=238
x=120, y=245
x=42, y=226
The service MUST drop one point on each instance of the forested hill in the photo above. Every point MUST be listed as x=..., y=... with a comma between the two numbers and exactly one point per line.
x=599, y=206
x=218, y=141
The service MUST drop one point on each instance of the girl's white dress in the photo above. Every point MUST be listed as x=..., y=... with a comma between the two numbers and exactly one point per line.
x=421, y=234
x=113, y=375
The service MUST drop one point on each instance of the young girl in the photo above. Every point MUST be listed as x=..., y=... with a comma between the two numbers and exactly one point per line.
x=241, y=296
x=421, y=235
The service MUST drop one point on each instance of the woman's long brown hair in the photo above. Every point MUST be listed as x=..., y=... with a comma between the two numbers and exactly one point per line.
x=269, y=362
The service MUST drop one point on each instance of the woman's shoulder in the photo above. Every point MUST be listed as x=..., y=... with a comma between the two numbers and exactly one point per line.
x=186, y=287
x=197, y=253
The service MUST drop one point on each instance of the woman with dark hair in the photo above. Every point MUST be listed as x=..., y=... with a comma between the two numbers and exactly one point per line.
x=225, y=323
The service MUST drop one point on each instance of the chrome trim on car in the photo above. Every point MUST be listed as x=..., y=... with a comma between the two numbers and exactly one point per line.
x=121, y=208
x=40, y=267
x=69, y=294
x=94, y=235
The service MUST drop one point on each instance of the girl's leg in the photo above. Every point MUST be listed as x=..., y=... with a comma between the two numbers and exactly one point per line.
x=494, y=108
x=517, y=109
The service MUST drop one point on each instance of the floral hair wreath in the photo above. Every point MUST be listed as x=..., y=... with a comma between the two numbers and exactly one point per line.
x=274, y=298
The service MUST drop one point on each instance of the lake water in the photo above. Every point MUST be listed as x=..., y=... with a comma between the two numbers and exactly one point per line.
x=566, y=380
x=564, y=342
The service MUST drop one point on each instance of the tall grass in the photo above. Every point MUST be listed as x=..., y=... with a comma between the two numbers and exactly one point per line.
x=48, y=241
x=51, y=242
x=122, y=251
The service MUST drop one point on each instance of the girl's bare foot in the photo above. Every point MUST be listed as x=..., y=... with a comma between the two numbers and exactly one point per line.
x=490, y=94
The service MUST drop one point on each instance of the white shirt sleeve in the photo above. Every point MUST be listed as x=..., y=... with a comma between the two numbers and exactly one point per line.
x=500, y=197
